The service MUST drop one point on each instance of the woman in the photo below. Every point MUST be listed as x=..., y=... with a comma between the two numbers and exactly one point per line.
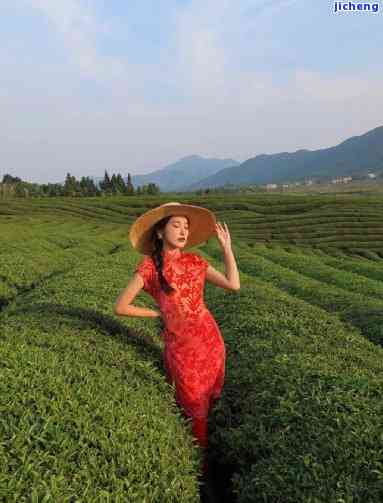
x=194, y=354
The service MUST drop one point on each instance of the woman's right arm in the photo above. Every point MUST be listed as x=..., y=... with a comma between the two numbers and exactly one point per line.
x=123, y=305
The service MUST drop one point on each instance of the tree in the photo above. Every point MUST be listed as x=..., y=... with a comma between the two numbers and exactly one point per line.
x=11, y=179
x=70, y=185
x=121, y=187
x=7, y=190
x=129, y=186
x=52, y=189
x=106, y=184
x=150, y=188
x=87, y=186
x=21, y=190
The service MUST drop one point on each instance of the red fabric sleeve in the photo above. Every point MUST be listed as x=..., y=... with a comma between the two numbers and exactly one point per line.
x=146, y=269
x=203, y=262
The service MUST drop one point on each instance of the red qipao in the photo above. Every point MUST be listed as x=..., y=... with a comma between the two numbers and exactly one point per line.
x=194, y=354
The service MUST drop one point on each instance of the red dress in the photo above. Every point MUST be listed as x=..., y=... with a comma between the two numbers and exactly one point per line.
x=194, y=354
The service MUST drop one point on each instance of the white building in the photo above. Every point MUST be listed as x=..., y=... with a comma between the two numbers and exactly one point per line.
x=341, y=179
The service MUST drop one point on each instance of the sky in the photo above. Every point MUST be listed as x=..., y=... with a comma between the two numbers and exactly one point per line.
x=132, y=86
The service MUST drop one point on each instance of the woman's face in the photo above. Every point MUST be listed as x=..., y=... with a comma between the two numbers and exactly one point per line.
x=176, y=232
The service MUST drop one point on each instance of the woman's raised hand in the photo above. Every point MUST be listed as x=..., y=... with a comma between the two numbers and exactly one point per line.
x=223, y=236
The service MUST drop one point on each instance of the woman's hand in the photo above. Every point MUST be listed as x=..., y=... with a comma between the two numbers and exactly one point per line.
x=223, y=236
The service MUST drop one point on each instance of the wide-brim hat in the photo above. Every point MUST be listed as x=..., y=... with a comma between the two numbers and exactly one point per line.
x=202, y=224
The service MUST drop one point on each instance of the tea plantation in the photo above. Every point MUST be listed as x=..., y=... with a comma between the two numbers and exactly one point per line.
x=86, y=414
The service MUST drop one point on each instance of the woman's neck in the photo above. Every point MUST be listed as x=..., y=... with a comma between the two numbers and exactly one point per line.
x=171, y=253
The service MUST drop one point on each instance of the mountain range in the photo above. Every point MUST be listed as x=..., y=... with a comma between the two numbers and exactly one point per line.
x=357, y=155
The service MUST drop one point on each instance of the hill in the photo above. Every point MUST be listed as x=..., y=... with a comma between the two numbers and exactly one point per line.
x=355, y=156
x=180, y=174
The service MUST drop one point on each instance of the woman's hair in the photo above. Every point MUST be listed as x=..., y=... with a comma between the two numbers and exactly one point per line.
x=157, y=253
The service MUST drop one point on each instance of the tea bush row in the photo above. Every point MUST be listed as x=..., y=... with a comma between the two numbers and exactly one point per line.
x=86, y=412
x=316, y=269
x=364, y=313
x=300, y=416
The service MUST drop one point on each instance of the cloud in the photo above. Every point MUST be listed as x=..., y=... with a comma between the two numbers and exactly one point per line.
x=216, y=57
x=79, y=28
x=222, y=47
x=226, y=95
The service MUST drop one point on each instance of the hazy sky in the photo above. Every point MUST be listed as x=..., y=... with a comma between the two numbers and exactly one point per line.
x=130, y=86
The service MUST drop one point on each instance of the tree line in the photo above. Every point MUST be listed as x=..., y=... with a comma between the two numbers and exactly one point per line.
x=13, y=186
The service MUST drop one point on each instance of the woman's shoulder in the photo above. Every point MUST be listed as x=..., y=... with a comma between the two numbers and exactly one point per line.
x=146, y=263
x=191, y=255
x=196, y=258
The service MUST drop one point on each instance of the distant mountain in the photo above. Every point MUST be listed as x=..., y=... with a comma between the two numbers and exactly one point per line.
x=354, y=156
x=180, y=174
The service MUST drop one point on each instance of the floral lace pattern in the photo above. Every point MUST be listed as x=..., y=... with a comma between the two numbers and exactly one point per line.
x=195, y=352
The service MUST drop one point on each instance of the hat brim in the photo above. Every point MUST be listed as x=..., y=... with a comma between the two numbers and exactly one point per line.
x=202, y=224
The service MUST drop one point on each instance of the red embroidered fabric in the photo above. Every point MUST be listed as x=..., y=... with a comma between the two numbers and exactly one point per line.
x=195, y=353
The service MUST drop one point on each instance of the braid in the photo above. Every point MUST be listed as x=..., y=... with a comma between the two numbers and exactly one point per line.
x=157, y=255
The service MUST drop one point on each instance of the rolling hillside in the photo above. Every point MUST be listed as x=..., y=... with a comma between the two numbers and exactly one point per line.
x=86, y=412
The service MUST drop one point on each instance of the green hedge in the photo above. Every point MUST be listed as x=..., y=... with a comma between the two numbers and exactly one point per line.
x=86, y=412
x=315, y=268
x=353, y=308
x=300, y=416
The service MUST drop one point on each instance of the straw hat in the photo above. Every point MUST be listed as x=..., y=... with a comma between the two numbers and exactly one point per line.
x=201, y=228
